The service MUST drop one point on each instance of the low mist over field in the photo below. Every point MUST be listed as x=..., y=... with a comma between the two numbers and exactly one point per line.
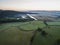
x=38, y=14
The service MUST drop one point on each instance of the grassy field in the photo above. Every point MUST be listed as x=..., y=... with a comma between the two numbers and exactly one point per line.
x=53, y=35
x=11, y=34
x=53, y=23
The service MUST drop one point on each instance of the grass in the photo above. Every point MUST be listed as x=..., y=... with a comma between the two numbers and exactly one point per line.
x=53, y=35
x=10, y=34
x=54, y=23
x=32, y=25
x=13, y=36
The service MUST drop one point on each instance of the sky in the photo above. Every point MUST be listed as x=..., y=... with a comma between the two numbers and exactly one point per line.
x=30, y=4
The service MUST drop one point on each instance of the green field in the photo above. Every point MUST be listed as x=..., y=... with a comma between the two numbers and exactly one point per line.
x=20, y=33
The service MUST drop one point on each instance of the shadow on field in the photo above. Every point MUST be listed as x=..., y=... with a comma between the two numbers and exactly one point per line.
x=57, y=42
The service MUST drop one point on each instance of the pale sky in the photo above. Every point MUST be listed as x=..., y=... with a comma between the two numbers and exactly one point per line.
x=30, y=4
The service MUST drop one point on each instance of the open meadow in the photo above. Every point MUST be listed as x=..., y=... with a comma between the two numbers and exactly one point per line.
x=20, y=33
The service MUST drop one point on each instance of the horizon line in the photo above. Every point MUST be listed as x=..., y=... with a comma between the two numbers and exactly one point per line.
x=29, y=10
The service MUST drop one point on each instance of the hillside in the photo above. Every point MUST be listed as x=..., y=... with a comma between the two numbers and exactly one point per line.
x=11, y=13
x=18, y=33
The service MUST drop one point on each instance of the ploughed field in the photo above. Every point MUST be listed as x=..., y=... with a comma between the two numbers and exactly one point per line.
x=20, y=33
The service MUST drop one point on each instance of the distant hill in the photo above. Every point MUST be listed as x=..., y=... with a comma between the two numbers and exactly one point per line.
x=12, y=13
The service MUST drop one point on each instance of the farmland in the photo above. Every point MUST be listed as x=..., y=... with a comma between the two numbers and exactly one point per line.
x=20, y=33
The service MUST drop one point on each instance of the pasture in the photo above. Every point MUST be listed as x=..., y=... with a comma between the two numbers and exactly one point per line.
x=20, y=33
